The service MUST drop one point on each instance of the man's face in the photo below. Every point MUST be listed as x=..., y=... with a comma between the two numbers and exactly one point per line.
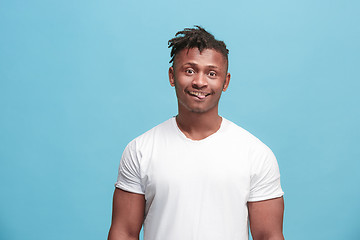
x=199, y=79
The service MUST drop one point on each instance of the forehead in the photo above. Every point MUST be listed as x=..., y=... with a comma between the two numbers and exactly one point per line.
x=207, y=57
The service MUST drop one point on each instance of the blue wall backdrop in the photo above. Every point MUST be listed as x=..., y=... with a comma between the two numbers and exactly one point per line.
x=80, y=79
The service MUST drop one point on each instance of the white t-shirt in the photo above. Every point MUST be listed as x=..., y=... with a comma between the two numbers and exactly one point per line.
x=198, y=190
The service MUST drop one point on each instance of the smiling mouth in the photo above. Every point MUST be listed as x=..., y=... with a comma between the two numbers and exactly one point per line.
x=200, y=95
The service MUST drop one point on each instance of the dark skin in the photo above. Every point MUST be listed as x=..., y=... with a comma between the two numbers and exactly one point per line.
x=127, y=215
x=204, y=74
x=266, y=219
x=199, y=80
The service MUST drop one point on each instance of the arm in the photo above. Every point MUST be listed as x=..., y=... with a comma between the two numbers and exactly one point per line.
x=266, y=219
x=127, y=215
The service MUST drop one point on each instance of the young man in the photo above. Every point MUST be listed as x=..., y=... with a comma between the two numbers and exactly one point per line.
x=197, y=176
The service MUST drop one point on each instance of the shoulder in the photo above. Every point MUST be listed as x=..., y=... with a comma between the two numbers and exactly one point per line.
x=238, y=133
x=240, y=138
x=151, y=135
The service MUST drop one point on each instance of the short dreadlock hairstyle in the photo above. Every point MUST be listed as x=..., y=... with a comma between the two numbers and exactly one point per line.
x=195, y=38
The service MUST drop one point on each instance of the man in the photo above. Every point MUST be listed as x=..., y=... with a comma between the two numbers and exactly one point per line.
x=197, y=176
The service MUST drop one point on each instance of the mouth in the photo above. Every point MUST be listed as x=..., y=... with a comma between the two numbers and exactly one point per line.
x=199, y=95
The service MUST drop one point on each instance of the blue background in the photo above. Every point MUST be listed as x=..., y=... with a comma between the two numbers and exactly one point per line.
x=80, y=79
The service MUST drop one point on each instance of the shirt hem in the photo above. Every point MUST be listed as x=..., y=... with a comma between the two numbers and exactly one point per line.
x=257, y=199
x=127, y=189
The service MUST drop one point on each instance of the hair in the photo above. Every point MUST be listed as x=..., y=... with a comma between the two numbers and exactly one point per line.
x=196, y=38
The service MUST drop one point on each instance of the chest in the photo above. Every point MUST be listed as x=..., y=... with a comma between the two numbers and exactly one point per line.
x=192, y=169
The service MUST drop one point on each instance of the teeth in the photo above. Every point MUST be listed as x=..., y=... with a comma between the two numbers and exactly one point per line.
x=198, y=93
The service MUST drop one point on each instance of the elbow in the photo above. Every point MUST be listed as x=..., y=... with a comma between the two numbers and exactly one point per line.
x=115, y=234
x=279, y=236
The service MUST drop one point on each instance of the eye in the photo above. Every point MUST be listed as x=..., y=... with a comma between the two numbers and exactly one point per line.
x=189, y=71
x=212, y=74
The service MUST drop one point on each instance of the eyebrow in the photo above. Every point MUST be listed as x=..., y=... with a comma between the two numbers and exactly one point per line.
x=195, y=64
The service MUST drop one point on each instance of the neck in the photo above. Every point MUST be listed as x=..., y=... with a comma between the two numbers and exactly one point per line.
x=197, y=126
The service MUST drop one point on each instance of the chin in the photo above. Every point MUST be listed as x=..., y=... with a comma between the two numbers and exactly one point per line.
x=199, y=110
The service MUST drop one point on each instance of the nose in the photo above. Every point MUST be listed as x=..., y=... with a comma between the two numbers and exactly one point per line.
x=199, y=81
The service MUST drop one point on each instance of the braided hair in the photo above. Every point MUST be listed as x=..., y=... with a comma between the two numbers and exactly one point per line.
x=195, y=38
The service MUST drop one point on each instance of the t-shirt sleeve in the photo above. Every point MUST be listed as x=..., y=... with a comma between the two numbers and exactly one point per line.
x=265, y=175
x=129, y=176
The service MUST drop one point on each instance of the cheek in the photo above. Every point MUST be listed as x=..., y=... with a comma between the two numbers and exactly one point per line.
x=178, y=87
x=182, y=81
x=218, y=86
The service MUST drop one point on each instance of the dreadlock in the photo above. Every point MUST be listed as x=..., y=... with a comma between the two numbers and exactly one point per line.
x=195, y=38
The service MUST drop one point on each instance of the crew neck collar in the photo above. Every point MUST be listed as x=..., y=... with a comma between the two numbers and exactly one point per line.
x=213, y=135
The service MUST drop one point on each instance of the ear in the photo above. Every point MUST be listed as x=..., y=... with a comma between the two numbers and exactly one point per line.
x=227, y=81
x=171, y=76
